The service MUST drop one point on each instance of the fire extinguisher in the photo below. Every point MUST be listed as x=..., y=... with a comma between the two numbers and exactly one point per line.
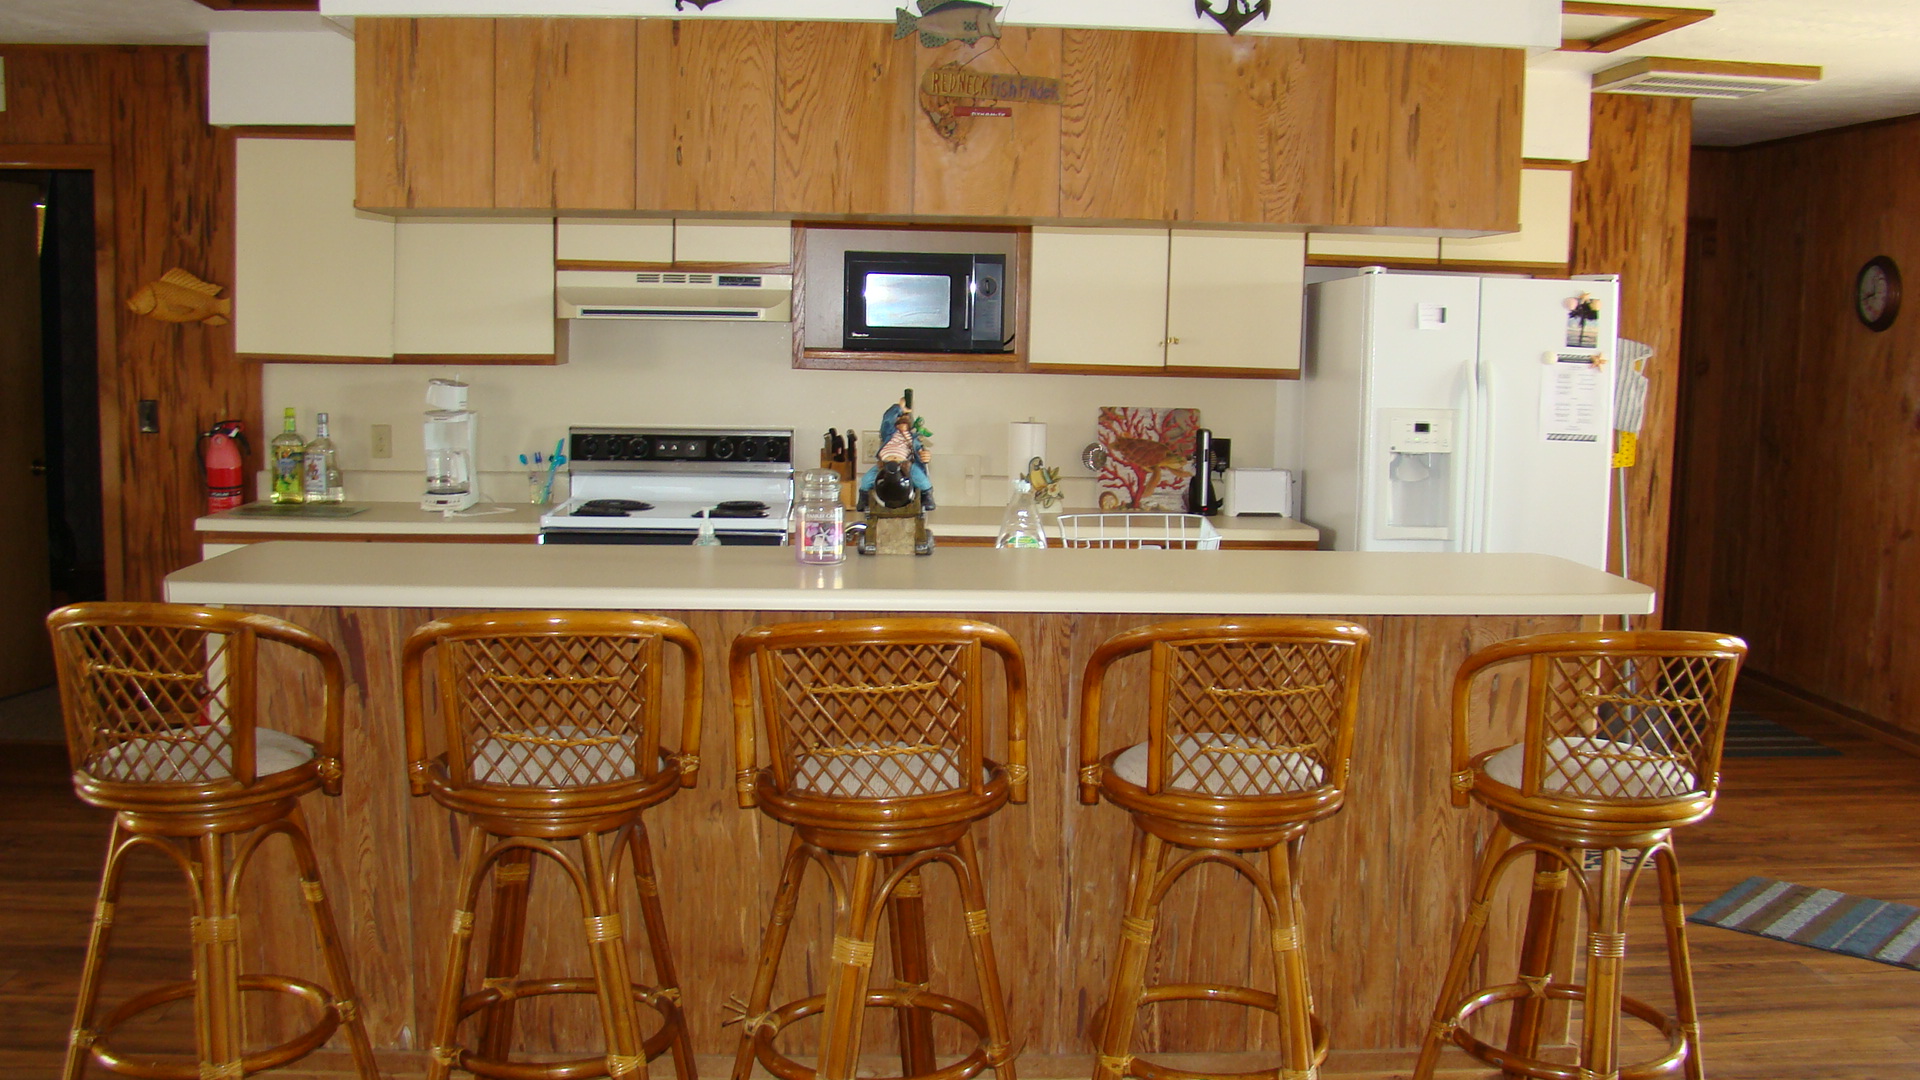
x=223, y=449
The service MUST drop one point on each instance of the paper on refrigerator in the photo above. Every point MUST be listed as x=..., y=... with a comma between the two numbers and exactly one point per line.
x=1574, y=393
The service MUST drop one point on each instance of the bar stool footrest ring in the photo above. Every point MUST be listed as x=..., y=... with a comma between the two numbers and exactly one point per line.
x=1508, y=1062
x=271, y=1057
x=971, y=1064
x=1230, y=995
x=518, y=989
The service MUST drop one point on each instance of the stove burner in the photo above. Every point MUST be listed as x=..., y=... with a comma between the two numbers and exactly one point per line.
x=610, y=507
x=739, y=508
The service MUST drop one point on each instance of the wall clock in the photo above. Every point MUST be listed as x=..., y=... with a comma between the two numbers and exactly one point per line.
x=1876, y=293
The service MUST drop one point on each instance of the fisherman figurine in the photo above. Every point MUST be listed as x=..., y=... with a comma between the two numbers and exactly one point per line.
x=902, y=446
x=897, y=520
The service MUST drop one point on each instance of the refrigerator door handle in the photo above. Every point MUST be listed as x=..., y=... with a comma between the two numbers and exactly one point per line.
x=1479, y=457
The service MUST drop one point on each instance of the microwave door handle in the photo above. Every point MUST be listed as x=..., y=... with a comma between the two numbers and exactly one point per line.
x=968, y=324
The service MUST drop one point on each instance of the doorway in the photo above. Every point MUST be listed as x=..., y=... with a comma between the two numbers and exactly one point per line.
x=50, y=461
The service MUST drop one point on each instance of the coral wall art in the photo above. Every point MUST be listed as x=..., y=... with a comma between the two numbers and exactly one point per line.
x=1149, y=457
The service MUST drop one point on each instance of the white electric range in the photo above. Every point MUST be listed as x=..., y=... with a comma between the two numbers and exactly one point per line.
x=648, y=485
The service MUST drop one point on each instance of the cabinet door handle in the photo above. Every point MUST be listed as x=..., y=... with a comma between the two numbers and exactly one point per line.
x=38, y=468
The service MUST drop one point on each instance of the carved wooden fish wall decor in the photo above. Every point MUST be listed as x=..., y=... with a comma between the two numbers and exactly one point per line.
x=941, y=21
x=179, y=297
x=1237, y=14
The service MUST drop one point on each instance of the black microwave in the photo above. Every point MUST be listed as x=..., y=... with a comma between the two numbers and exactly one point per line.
x=913, y=301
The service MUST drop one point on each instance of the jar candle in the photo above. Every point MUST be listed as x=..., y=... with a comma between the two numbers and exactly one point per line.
x=822, y=532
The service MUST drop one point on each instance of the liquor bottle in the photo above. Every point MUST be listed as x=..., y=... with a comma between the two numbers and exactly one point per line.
x=321, y=467
x=288, y=450
x=1021, y=527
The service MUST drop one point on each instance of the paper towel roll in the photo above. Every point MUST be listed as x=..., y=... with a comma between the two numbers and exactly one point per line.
x=1026, y=440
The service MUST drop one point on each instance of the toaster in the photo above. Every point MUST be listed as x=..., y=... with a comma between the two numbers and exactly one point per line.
x=1261, y=491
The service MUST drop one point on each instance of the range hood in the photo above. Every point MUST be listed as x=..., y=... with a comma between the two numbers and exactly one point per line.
x=672, y=294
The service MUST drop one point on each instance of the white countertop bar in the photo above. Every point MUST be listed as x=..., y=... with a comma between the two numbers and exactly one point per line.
x=965, y=580
x=522, y=519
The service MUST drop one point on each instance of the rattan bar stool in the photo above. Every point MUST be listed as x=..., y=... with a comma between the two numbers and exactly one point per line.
x=160, y=708
x=876, y=731
x=552, y=725
x=1249, y=729
x=1621, y=746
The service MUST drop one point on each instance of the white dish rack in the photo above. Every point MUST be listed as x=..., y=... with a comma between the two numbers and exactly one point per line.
x=1189, y=532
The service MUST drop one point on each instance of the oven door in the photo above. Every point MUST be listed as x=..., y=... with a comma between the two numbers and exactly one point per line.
x=728, y=537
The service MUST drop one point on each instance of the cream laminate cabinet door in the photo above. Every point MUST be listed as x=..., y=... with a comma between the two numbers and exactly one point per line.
x=479, y=289
x=663, y=241
x=1098, y=298
x=1398, y=249
x=1546, y=215
x=628, y=240
x=313, y=277
x=1233, y=301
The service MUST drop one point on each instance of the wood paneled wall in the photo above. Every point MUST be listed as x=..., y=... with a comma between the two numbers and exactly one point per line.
x=139, y=114
x=1630, y=218
x=1800, y=526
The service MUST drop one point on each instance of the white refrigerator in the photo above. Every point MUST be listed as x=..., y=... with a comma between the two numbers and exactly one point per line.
x=1459, y=413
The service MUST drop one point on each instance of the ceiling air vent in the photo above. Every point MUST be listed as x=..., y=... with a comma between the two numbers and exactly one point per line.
x=1664, y=76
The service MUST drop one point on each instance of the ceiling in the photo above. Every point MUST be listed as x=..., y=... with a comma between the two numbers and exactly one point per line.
x=1867, y=48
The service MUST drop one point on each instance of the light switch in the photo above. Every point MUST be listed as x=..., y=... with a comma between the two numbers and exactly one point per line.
x=383, y=440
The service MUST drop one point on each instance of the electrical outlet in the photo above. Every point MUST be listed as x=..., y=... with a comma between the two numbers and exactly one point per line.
x=383, y=440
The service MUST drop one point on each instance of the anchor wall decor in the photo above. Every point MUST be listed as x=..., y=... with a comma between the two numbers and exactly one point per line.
x=1237, y=13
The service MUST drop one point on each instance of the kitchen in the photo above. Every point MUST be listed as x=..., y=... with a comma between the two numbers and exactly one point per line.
x=754, y=368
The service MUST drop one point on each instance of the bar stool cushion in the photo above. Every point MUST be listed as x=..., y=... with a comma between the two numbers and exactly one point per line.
x=878, y=770
x=553, y=756
x=1263, y=771
x=160, y=760
x=1598, y=768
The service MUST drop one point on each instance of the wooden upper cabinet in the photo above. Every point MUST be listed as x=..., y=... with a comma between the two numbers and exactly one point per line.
x=1126, y=125
x=844, y=143
x=556, y=83
x=1263, y=129
x=423, y=113
x=705, y=115
x=1427, y=136
x=989, y=166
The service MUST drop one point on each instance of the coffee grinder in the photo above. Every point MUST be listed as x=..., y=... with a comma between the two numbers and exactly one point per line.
x=451, y=440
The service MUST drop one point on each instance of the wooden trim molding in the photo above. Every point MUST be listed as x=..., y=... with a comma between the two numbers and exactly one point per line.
x=1649, y=22
x=307, y=358
x=485, y=359
x=291, y=131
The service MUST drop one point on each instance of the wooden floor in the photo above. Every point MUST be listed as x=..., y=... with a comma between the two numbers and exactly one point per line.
x=1772, y=1011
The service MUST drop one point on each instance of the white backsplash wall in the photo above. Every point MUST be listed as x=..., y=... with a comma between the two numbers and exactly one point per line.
x=628, y=373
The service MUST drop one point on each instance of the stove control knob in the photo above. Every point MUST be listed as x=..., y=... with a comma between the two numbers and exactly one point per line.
x=637, y=448
x=723, y=449
x=750, y=449
x=776, y=449
x=588, y=447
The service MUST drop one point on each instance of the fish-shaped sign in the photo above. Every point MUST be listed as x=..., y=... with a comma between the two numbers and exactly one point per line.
x=180, y=297
x=941, y=21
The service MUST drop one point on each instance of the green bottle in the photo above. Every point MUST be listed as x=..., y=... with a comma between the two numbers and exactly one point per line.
x=289, y=459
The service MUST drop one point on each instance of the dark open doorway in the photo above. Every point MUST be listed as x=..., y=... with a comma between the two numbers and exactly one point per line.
x=50, y=461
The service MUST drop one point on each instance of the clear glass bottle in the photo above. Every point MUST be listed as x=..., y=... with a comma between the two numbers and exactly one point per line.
x=706, y=537
x=1021, y=527
x=821, y=535
x=288, y=457
x=321, y=467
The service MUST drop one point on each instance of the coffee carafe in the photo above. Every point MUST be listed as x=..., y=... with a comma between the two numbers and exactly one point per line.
x=1202, y=494
x=451, y=438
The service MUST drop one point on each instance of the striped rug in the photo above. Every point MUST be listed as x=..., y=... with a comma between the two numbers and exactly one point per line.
x=1822, y=918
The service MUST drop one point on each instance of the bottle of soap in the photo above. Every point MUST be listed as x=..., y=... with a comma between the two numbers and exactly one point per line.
x=1021, y=526
x=288, y=457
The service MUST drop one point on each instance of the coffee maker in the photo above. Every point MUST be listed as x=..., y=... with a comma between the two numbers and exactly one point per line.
x=449, y=430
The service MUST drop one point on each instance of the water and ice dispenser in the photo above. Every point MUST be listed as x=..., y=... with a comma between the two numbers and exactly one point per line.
x=1417, y=452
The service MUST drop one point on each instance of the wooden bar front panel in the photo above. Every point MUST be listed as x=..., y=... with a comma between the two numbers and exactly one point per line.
x=1385, y=880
